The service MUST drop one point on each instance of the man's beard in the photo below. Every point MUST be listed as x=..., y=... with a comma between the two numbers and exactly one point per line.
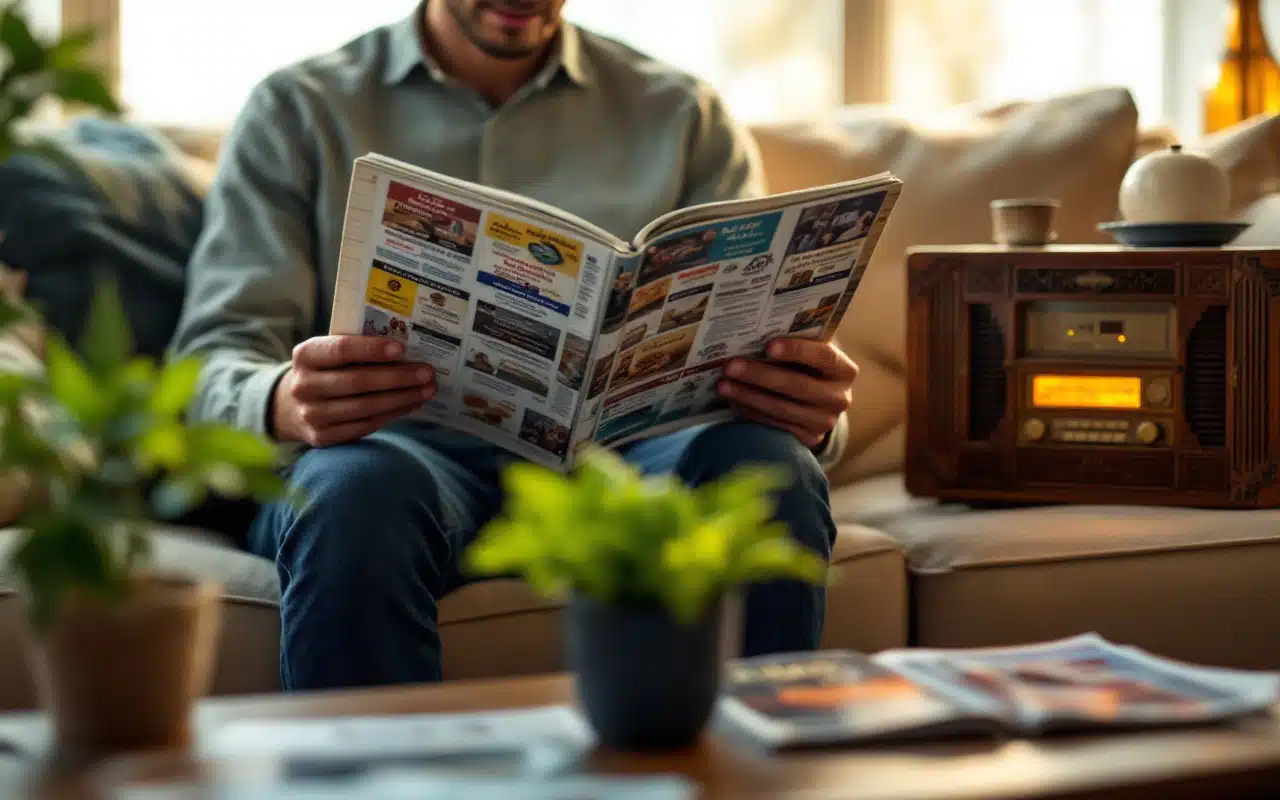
x=470, y=26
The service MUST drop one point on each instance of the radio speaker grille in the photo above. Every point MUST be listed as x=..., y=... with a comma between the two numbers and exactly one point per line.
x=1205, y=387
x=988, y=392
x=1250, y=400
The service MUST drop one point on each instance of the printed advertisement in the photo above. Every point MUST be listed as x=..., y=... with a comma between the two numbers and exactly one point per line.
x=543, y=340
x=431, y=218
x=702, y=296
x=533, y=263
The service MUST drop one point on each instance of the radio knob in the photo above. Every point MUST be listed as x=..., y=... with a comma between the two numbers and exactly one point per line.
x=1034, y=429
x=1148, y=432
x=1158, y=392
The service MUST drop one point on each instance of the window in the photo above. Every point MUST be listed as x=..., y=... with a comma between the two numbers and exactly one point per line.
x=956, y=51
x=194, y=62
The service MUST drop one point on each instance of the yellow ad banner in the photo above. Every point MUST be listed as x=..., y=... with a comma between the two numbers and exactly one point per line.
x=542, y=246
x=391, y=292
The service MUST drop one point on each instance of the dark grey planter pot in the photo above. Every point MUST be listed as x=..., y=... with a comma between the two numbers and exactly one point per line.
x=644, y=681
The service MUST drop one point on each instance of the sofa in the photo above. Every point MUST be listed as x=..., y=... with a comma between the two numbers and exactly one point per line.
x=1196, y=585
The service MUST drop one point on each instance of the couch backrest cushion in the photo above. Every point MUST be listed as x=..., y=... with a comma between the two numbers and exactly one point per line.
x=1075, y=148
x=129, y=206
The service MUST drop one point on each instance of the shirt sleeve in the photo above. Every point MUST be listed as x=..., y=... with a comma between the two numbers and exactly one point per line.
x=251, y=282
x=723, y=159
x=724, y=164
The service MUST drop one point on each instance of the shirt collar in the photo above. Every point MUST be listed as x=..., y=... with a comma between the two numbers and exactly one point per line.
x=406, y=52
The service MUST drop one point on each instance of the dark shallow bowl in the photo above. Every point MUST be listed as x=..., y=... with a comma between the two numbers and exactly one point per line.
x=1174, y=234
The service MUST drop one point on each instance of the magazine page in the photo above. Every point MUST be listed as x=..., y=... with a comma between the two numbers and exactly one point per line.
x=700, y=295
x=502, y=307
x=831, y=697
x=1083, y=682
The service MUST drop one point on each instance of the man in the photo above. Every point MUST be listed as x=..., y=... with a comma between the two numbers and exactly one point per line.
x=504, y=93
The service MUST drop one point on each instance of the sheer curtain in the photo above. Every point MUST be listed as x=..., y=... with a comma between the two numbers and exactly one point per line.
x=193, y=61
x=946, y=52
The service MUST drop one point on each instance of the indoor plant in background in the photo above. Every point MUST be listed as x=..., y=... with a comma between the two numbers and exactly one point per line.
x=97, y=447
x=647, y=564
x=120, y=651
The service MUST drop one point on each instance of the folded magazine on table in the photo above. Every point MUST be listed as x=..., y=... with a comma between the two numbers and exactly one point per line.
x=548, y=334
x=1079, y=683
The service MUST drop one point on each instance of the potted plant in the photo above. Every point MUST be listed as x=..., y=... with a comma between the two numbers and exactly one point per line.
x=647, y=564
x=120, y=651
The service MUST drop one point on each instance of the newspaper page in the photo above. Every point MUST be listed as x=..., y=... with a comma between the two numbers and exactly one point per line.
x=698, y=296
x=502, y=308
x=1083, y=682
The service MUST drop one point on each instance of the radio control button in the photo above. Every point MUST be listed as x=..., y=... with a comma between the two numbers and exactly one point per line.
x=1034, y=429
x=1148, y=432
x=1158, y=392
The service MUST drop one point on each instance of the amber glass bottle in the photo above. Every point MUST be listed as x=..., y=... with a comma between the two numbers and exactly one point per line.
x=1248, y=75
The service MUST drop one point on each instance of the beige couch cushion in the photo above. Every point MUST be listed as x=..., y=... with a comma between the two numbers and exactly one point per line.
x=1075, y=148
x=490, y=629
x=1192, y=584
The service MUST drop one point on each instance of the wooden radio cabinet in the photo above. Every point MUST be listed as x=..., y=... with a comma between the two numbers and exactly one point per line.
x=1094, y=375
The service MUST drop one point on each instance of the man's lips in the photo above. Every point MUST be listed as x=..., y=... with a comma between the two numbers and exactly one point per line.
x=511, y=17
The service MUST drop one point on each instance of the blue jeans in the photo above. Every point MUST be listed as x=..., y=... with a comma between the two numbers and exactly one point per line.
x=365, y=561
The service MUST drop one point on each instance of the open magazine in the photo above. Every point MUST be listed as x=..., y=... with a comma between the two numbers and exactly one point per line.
x=548, y=334
x=1078, y=683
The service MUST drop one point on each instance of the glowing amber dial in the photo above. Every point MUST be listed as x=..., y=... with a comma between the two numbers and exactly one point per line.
x=1086, y=391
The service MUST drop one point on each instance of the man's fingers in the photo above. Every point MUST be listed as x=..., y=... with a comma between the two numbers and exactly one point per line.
x=823, y=357
x=816, y=421
x=789, y=383
x=350, y=381
x=328, y=352
x=351, y=431
x=326, y=413
x=807, y=438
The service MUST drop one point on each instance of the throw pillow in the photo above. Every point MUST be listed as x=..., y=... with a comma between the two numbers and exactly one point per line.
x=129, y=207
x=1075, y=148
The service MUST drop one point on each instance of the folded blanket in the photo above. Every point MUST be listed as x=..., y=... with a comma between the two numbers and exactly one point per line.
x=131, y=209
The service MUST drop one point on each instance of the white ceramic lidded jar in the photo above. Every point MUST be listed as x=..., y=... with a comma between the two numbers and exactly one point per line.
x=1175, y=185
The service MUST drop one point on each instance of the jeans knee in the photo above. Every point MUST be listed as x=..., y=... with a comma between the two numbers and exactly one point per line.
x=719, y=449
x=361, y=512
x=804, y=505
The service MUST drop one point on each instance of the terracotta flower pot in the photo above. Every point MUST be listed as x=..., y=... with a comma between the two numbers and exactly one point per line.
x=125, y=676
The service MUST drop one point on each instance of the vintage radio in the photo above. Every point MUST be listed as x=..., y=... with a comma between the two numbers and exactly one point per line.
x=1094, y=375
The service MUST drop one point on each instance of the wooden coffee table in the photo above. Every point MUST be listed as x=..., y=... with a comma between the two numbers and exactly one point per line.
x=1239, y=760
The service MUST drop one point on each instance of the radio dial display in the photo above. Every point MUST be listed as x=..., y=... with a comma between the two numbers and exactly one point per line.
x=1116, y=392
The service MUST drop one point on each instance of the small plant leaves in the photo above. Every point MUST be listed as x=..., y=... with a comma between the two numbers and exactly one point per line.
x=107, y=342
x=176, y=387
x=72, y=385
x=610, y=533
x=68, y=51
x=25, y=51
x=84, y=86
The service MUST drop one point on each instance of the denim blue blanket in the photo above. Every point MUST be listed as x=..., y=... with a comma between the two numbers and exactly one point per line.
x=129, y=209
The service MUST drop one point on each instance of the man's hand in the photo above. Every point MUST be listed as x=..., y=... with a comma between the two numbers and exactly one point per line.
x=803, y=389
x=340, y=388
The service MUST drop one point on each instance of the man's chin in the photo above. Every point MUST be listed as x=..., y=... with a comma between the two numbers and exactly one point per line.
x=507, y=51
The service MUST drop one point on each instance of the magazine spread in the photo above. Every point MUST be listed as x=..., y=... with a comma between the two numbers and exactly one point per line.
x=1078, y=683
x=548, y=334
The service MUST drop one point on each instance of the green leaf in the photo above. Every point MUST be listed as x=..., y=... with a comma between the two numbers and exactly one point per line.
x=83, y=85
x=11, y=313
x=163, y=445
x=26, y=52
x=107, y=342
x=72, y=384
x=218, y=444
x=70, y=50
x=176, y=387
